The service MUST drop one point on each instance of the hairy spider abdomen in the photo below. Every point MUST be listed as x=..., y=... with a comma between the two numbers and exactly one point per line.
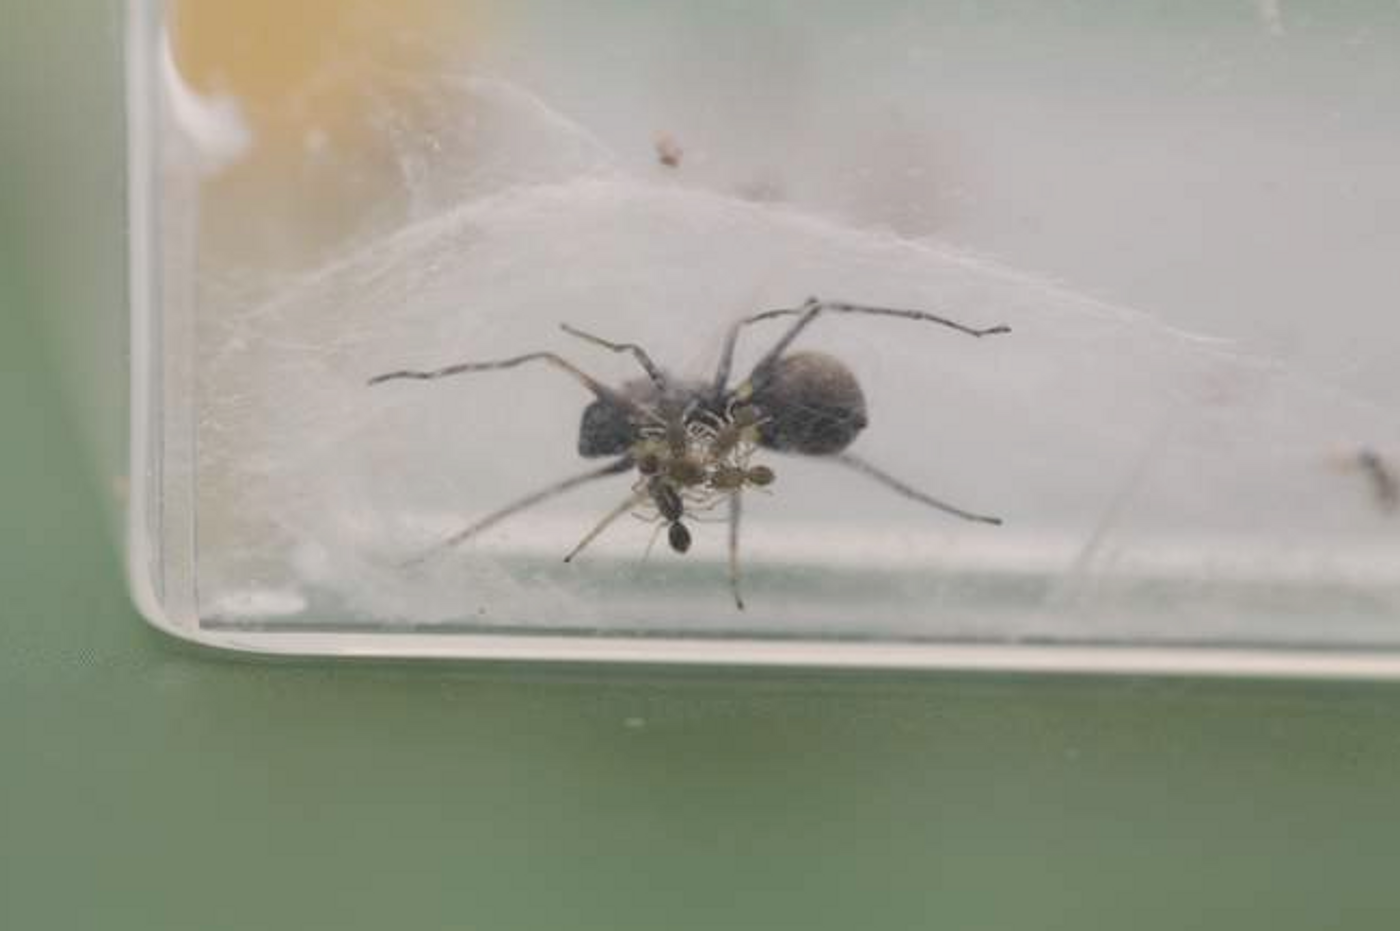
x=812, y=404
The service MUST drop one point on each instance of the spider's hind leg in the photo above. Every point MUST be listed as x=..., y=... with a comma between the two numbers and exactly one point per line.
x=855, y=463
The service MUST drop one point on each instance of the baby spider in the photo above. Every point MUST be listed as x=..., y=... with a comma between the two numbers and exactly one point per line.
x=690, y=444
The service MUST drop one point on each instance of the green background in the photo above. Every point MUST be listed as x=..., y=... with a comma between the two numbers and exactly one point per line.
x=146, y=784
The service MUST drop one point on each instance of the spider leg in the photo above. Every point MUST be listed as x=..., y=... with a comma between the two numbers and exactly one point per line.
x=530, y=500
x=860, y=465
x=735, y=512
x=726, y=357
x=600, y=390
x=651, y=544
x=653, y=371
x=807, y=313
x=632, y=501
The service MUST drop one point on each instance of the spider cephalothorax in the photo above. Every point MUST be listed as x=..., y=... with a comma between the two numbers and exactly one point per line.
x=691, y=444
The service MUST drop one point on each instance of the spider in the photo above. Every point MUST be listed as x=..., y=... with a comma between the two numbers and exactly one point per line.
x=690, y=443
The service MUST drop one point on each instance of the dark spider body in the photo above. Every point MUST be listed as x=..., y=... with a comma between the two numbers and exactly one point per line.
x=608, y=428
x=810, y=404
x=690, y=442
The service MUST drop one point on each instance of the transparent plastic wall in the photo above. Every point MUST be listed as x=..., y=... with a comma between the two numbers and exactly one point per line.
x=1185, y=450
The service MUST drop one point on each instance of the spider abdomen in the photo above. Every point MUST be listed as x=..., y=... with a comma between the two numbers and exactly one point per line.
x=811, y=404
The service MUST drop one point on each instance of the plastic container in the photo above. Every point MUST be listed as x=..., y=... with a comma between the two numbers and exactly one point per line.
x=1190, y=435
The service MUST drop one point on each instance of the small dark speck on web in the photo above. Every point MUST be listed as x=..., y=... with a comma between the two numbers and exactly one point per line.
x=668, y=151
x=1384, y=484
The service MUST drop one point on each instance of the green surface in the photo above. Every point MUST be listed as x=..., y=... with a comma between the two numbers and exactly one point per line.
x=148, y=785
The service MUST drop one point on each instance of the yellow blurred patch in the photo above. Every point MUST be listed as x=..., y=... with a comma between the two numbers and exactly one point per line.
x=303, y=74
x=290, y=63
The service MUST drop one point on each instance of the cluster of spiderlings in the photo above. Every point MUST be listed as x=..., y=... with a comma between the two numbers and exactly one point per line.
x=697, y=460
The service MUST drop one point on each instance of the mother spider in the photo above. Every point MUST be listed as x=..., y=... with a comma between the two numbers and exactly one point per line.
x=691, y=442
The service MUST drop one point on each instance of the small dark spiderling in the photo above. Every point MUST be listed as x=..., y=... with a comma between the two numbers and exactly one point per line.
x=678, y=537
